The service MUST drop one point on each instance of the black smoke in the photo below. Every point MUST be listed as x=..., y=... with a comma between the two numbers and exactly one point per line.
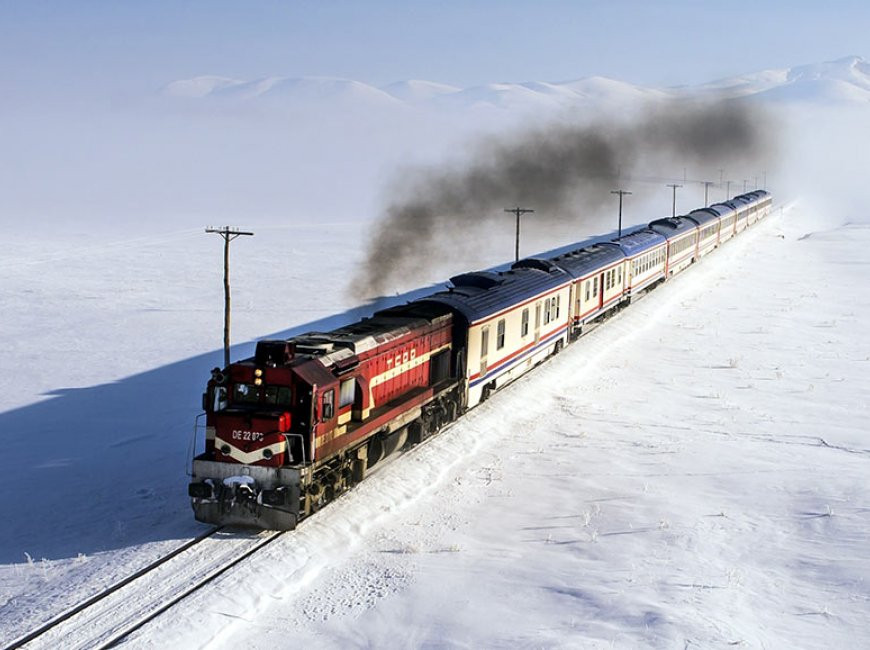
x=564, y=170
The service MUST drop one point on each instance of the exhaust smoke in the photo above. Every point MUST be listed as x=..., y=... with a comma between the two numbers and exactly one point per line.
x=564, y=170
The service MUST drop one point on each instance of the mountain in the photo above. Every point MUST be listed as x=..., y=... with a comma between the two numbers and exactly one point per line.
x=305, y=90
x=200, y=86
x=415, y=91
x=845, y=80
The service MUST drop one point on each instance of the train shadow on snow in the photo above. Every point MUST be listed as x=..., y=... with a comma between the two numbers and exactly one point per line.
x=105, y=467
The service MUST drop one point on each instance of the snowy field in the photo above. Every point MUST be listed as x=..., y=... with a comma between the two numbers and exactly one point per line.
x=691, y=474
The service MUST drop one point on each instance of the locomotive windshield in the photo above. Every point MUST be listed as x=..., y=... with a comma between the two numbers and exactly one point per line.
x=279, y=395
x=270, y=395
x=246, y=394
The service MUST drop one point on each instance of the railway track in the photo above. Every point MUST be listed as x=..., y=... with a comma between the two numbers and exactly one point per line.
x=113, y=614
x=108, y=617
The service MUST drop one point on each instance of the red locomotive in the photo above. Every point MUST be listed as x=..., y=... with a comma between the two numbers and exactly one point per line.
x=305, y=418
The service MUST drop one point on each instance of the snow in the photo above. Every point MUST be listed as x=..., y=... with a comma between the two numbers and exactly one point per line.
x=239, y=480
x=417, y=91
x=845, y=80
x=693, y=473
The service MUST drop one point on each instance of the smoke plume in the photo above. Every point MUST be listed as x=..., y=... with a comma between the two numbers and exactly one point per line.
x=564, y=170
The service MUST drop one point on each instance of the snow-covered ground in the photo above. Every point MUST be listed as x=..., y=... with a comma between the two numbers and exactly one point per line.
x=690, y=474
x=693, y=474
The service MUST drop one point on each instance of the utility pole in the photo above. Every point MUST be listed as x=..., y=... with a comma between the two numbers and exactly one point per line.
x=674, y=208
x=755, y=184
x=728, y=190
x=621, y=194
x=518, y=211
x=745, y=181
x=764, y=182
x=721, y=177
x=707, y=185
x=228, y=235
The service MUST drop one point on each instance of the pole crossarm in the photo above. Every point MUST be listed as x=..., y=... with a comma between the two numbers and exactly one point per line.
x=518, y=211
x=227, y=234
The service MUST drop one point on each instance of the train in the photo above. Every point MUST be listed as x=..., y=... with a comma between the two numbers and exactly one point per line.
x=306, y=418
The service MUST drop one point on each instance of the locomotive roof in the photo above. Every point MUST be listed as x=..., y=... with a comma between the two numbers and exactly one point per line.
x=703, y=216
x=672, y=227
x=481, y=294
x=383, y=327
x=586, y=260
x=638, y=241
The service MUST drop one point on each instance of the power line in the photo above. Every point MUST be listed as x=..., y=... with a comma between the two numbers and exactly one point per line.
x=228, y=235
x=518, y=211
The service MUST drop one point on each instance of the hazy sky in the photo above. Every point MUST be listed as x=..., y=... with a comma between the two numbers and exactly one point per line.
x=123, y=49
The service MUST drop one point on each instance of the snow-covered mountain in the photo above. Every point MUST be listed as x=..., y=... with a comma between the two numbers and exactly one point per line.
x=286, y=89
x=845, y=80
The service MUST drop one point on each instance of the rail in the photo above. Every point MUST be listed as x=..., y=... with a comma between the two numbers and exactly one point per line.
x=57, y=620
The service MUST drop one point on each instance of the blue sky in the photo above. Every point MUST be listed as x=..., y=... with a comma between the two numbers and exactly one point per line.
x=64, y=49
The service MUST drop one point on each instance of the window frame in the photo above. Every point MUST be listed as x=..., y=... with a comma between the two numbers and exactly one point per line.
x=342, y=392
x=327, y=405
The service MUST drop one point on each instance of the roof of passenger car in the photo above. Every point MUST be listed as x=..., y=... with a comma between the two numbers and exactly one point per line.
x=481, y=294
x=672, y=227
x=638, y=242
x=755, y=196
x=702, y=216
x=722, y=209
x=583, y=261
